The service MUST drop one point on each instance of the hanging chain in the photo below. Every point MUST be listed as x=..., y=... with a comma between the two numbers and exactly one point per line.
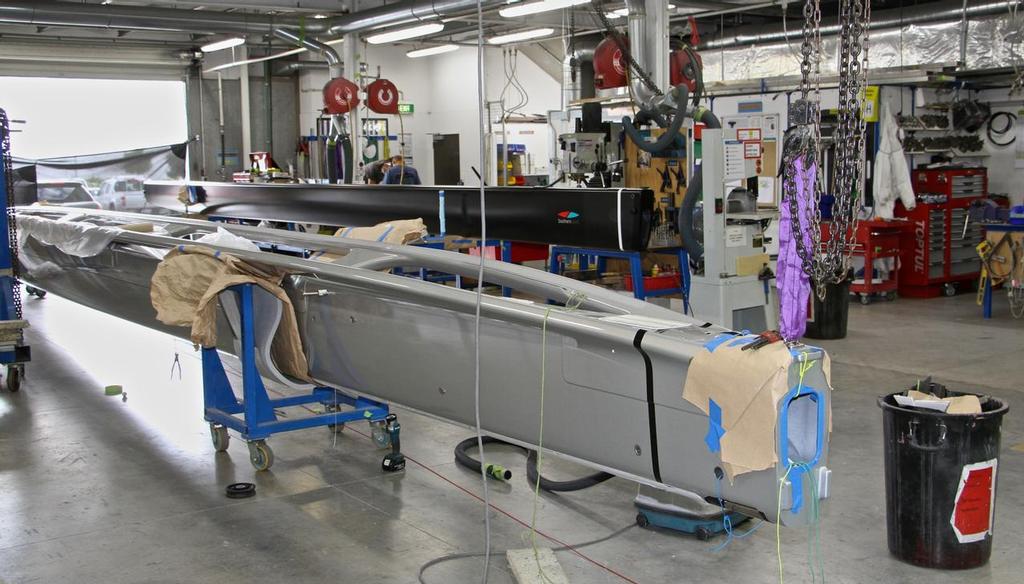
x=827, y=260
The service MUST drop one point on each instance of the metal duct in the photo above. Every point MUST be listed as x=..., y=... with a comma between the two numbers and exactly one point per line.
x=403, y=12
x=636, y=27
x=334, y=64
x=882, y=19
x=295, y=66
x=114, y=16
x=583, y=86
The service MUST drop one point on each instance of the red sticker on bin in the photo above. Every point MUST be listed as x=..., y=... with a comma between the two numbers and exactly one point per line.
x=975, y=502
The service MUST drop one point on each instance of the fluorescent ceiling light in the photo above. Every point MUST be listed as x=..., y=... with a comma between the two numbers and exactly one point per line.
x=319, y=16
x=432, y=51
x=521, y=36
x=222, y=44
x=537, y=6
x=405, y=33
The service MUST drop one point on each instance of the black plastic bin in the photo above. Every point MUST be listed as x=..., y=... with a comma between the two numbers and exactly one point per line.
x=828, y=317
x=940, y=482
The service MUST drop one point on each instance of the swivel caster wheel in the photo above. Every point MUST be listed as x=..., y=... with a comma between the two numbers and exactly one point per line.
x=865, y=299
x=220, y=437
x=14, y=375
x=379, y=433
x=641, y=520
x=260, y=455
x=949, y=289
x=891, y=295
x=703, y=534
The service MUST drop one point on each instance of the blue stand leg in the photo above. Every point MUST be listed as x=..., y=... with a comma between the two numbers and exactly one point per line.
x=258, y=409
x=506, y=256
x=636, y=269
x=987, y=301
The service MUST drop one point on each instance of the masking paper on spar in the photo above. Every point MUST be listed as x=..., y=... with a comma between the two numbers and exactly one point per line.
x=745, y=387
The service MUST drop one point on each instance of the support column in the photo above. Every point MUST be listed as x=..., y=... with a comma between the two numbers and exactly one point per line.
x=242, y=54
x=350, y=60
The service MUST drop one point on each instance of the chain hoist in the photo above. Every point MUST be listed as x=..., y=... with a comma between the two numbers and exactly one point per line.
x=826, y=260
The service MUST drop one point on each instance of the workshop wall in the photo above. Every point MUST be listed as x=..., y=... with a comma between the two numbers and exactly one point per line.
x=454, y=108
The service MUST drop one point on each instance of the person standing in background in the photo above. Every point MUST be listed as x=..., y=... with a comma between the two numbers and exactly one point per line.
x=401, y=174
x=375, y=171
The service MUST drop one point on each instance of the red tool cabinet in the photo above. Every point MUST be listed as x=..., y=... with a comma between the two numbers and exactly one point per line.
x=939, y=250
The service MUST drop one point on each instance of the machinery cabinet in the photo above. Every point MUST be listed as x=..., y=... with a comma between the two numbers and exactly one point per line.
x=939, y=252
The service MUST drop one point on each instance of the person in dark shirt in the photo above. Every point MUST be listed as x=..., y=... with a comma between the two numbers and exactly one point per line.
x=375, y=171
x=401, y=174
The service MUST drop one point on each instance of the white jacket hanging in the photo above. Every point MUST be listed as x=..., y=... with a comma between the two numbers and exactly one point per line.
x=891, y=180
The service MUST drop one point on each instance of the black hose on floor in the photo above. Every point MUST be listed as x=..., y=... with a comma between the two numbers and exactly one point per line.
x=463, y=458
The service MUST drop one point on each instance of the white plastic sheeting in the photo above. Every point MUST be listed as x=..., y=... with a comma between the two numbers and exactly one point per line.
x=989, y=45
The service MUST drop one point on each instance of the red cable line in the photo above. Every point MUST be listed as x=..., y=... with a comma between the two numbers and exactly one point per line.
x=512, y=517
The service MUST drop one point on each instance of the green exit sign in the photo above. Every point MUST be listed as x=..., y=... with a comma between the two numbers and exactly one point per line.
x=406, y=108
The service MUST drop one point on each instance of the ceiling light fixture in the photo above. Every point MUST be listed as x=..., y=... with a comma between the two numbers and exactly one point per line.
x=521, y=36
x=538, y=6
x=319, y=16
x=405, y=33
x=222, y=44
x=432, y=51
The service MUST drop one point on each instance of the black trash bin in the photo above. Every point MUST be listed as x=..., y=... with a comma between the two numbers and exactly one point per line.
x=940, y=481
x=827, y=319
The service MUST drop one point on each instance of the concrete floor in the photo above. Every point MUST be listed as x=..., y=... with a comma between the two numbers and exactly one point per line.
x=94, y=489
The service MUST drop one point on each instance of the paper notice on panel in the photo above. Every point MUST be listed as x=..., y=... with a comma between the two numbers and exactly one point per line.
x=735, y=164
x=735, y=237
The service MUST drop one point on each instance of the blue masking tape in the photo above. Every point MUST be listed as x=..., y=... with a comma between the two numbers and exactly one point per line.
x=715, y=431
x=718, y=340
x=387, y=231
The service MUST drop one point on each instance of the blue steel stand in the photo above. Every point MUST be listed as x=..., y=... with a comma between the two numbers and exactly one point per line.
x=258, y=419
x=635, y=269
x=15, y=352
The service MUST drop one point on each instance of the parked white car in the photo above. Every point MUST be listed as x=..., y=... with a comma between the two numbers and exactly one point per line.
x=72, y=192
x=122, y=193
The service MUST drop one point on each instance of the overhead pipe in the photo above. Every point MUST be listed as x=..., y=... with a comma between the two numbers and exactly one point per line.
x=116, y=16
x=636, y=27
x=295, y=66
x=948, y=11
x=334, y=64
x=402, y=12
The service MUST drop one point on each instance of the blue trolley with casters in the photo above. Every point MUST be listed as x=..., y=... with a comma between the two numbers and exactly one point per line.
x=14, y=353
x=254, y=416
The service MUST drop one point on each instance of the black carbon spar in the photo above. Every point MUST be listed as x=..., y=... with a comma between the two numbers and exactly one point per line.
x=617, y=219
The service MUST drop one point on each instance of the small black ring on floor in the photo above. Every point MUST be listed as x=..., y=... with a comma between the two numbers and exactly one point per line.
x=240, y=490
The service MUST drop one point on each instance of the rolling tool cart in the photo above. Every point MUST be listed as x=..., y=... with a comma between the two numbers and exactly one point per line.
x=938, y=253
x=877, y=239
x=13, y=350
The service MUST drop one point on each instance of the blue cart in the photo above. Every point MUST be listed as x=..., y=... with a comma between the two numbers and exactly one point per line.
x=14, y=353
x=255, y=416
